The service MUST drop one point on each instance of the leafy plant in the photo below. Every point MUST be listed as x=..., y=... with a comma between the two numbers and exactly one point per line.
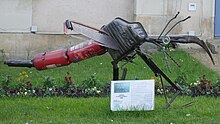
x=91, y=86
x=202, y=87
x=216, y=89
x=48, y=82
x=91, y=82
x=217, y=83
x=24, y=85
x=49, y=88
x=70, y=87
x=182, y=80
x=5, y=82
x=4, y=86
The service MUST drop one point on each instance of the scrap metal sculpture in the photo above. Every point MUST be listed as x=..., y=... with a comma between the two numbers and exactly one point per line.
x=121, y=39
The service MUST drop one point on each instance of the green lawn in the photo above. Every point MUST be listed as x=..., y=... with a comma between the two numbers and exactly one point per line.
x=102, y=68
x=97, y=110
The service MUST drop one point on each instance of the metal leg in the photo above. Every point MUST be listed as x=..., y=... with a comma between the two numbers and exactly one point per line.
x=164, y=92
x=160, y=73
x=172, y=99
x=156, y=69
x=115, y=71
x=124, y=74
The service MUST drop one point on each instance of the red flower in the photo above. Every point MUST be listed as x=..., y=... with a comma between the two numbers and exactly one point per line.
x=28, y=83
x=203, y=87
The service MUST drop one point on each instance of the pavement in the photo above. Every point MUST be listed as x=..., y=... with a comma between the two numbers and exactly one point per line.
x=214, y=45
x=200, y=54
x=203, y=57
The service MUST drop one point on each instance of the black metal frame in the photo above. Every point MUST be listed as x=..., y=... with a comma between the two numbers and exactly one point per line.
x=157, y=71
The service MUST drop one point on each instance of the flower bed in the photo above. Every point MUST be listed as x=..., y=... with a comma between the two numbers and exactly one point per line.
x=202, y=87
x=91, y=87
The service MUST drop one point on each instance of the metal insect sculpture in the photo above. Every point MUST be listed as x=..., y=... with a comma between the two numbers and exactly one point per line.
x=122, y=40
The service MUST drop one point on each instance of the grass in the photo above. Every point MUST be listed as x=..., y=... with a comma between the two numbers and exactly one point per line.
x=96, y=110
x=102, y=68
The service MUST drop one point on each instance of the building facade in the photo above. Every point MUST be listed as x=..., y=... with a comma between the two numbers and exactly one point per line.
x=28, y=27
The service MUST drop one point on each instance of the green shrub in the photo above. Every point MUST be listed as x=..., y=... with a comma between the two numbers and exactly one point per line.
x=4, y=85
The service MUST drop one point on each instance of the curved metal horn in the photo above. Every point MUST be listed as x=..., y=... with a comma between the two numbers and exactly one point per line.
x=192, y=39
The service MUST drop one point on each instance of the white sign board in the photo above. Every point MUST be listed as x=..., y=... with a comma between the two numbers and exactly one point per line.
x=132, y=95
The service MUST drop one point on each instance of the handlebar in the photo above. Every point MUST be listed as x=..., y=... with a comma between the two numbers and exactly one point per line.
x=19, y=63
